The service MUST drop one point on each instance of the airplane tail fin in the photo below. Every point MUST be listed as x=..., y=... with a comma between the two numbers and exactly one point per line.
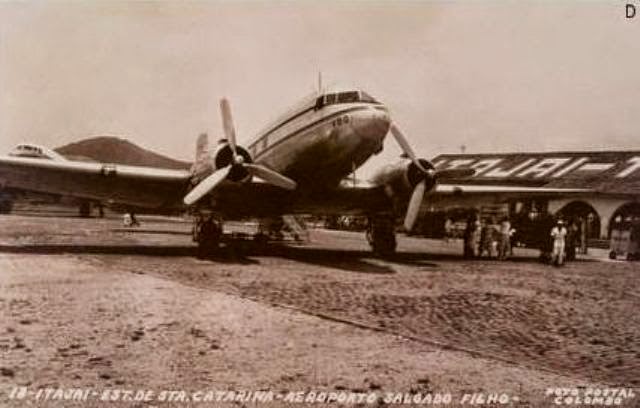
x=203, y=157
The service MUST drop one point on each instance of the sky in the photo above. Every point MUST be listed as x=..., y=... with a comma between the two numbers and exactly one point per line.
x=492, y=76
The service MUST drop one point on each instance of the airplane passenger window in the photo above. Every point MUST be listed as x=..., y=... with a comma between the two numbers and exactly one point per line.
x=347, y=97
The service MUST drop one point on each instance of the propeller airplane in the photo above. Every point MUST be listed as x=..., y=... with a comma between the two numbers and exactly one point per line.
x=294, y=166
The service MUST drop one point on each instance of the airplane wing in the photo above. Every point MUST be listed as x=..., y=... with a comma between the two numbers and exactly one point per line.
x=371, y=199
x=443, y=189
x=444, y=195
x=143, y=187
x=162, y=190
x=262, y=199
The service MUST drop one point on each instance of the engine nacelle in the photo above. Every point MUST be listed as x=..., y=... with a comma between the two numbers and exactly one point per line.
x=223, y=156
x=402, y=177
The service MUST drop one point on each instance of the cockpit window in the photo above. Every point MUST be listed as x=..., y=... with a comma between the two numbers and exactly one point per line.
x=330, y=99
x=347, y=97
x=365, y=97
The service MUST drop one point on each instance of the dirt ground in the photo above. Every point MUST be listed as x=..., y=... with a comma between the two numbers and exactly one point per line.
x=88, y=303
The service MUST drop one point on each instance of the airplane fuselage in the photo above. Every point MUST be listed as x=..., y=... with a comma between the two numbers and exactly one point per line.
x=320, y=140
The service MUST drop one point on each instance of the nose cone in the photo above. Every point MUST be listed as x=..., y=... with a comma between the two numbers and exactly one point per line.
x=372, y=124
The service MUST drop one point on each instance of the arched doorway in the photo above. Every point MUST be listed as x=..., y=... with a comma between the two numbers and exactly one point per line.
x=624, y=213
x=584, y=216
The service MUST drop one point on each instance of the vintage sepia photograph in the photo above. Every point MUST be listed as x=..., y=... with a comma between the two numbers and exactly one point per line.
x=355, y=203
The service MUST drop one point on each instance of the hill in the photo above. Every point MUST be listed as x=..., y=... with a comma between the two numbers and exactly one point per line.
x=110, y=149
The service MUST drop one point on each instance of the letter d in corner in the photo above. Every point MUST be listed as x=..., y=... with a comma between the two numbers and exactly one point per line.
x=631, y=10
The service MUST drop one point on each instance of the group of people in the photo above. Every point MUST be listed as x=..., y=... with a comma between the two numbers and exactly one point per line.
x=485, y=237
x=488, y=238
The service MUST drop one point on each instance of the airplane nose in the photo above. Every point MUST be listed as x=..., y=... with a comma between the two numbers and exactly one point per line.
x=373, y=124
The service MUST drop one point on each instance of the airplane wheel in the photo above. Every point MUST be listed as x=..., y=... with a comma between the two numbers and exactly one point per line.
x=6, y=207
x=85, y=210
x=208, y=237
x=382, y=236
x=260, y=241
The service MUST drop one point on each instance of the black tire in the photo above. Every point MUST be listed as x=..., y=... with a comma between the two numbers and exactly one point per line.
x=6, y=206
x=202, y=251
x=85, y=210
x=207, y=248
x=260, y=242
x=384, y=243
x=385, y=249
x=381, y=236
x=208, y=238
x=612, y=255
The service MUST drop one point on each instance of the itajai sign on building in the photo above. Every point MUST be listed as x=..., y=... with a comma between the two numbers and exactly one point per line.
x=567, y=169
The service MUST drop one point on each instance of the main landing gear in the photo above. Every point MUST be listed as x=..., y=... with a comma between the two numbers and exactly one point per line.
x=207, y=232
x=381, y=235
x=85, y=209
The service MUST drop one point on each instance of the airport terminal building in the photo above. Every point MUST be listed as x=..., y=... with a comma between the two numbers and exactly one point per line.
x=609, y=180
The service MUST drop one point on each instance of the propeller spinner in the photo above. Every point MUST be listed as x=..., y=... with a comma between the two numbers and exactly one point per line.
x=214, y=179
x=427, y=175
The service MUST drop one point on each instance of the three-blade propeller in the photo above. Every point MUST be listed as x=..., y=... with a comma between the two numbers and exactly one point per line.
x=206, y=185
x=413, y=208
x=428, y=174
x=218, y=176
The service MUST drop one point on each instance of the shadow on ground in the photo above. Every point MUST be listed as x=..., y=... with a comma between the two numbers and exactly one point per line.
x=244, y=252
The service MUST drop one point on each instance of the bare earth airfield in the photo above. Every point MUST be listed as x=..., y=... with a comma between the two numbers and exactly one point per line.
x=89, y=303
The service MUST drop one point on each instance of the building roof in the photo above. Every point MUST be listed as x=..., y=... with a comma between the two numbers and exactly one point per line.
x=613, y=172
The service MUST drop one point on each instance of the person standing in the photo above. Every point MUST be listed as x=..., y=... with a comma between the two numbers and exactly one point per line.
x=448, y=229
x=558, y=234
x=475, y=238
x=486, y=238
x=471, y=236
x=570, y=247
x=505, y=239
